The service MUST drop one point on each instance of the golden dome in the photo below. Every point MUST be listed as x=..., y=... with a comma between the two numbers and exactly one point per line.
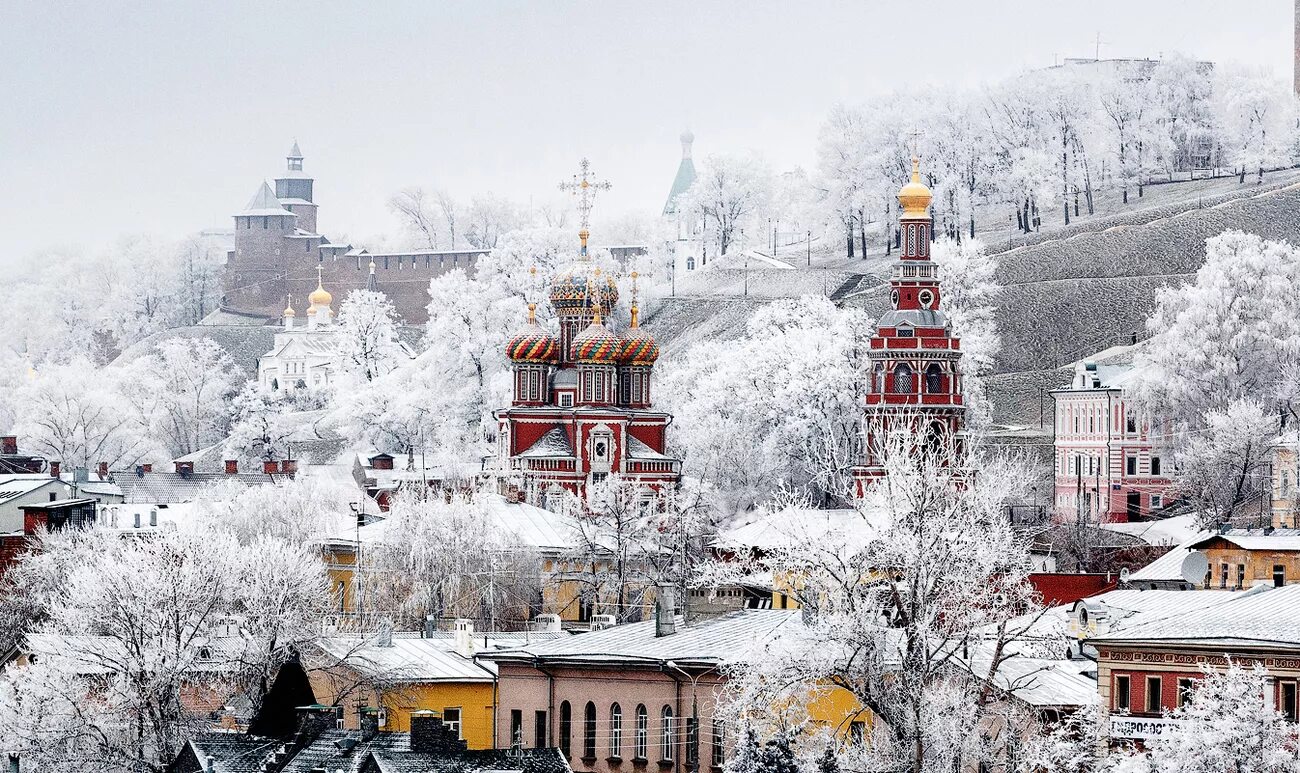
x=288, y=310
x=914, y=197
x=320, y=296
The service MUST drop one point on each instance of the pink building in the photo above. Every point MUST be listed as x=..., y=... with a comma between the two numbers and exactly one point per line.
x=1110, y=466
x=631, y=697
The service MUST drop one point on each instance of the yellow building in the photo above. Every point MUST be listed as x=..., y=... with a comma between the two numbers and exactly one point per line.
x=1243, y=558
x=403, y=673
x=1286, y=485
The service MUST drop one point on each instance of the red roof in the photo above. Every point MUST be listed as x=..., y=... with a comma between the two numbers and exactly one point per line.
x=1059, y=588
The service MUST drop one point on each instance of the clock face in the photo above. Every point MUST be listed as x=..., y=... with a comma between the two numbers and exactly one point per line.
x=927, y=299
x=895, y=297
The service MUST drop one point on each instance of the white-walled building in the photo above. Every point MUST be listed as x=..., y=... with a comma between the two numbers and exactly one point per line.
x=1110, y=466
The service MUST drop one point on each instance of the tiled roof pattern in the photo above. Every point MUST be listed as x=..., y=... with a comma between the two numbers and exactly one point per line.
x=171, y=487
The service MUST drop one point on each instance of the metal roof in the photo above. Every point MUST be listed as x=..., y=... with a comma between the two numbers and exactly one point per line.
x=1266, y=617
x=519, y=523
x=553, y=445
x=410, y=659
x=12, y=486
x=714, y=640
x=682, y=182
x=1256, y=539
x=264, y=202
x=1039, y=681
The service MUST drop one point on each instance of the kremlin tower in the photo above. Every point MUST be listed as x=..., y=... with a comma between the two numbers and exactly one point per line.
x=581, y=407
x=915, y=383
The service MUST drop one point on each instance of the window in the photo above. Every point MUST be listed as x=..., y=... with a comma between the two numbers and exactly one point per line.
x=1153, y=695
x=1279, y=575
x=1287, y=697
x=1121, y=693
x=539, y=729
x=1131, y=465
x=1286, y=484
x=566, y=400
x=616, y=731
x=589, y=731
x=1241, y=576
x=934, y=379
x=666, y=736
x=566, y=728
x=902, y=379
x=1157, y=501
x=880, y=378
x=451, y=718
x=905, y=332
x=719, y=743
x=1155, y=465
x=642, y=733
x=1130, y=425
x=1184, y=691
x=690, y=264
x=1223, y=576
x=692, y=742
x=516, y=726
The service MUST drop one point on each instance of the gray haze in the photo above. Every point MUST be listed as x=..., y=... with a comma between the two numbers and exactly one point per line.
x=121, y=118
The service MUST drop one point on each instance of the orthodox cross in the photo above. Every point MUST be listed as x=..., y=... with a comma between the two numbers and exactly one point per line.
x=585, y=189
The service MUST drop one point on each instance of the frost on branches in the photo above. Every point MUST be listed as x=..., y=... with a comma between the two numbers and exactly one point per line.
x=1227, y=723
x=923, y=574
x=367, y=335
x=781, y=407
x=1220, y=365
x=137, y=642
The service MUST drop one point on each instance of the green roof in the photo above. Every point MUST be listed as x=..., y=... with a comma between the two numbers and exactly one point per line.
x=681, y=183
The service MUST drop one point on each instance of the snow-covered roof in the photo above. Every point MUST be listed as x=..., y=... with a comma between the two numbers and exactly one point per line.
x=716, y=640
x=124, y=517
x=1264, y=617
x=1126, y=608
x=1167, y=531
x=171, y=487
x=1284, y=540
x=553, y=445
x=12, y=486
x=518, y=523
x=264, y=202
x=90, y=654
x=1166, y=568
x=785, y=528
x=639, y=450
x=1039, y=682
x=411, y=659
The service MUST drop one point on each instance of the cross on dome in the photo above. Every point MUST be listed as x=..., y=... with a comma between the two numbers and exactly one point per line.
x=585, y=189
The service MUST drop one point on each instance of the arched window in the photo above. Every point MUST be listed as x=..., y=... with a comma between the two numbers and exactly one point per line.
x=934, y=379
x=690, y=264
x=589, y=731
x=880, y=378
x=666, y=738
x=641, y=740
x=566, y=728
x=616, y=731
x=903, y=379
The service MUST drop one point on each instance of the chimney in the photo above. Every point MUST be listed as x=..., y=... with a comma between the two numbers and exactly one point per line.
x=80, y=475
x=384, y=636
x=369, y=722
x=54, y=469
x=270, y=467
x=665, y=624
x=430, y=735
x=289, y=466
x=103, y=470
x=601, y=622
x=430, y=626
x=184, y=468
x=232, y=466
x=147, y=467
x=547, y=623
x=209, y=763
x=381, y=462
x=464, y=637
x=9, y=445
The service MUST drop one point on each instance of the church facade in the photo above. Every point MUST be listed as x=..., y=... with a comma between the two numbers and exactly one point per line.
x=581, y=408
x=279, y=251
x=915, y=380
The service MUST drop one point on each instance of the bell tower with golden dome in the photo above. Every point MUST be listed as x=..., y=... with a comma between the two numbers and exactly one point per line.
x=915, y=382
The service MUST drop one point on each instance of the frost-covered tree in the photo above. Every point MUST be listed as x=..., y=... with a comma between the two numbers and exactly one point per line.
x=969, y=276
x=925, y=570
x=181, y=393
x=782, y=406
x=367, y=335
x=301, y=511
x=729, y=191
x=132, y=655
x=1255, y=114
x=261, y=427
x=1227, y=723
x=417, y=211
x=1220, y=360
x=74, y=414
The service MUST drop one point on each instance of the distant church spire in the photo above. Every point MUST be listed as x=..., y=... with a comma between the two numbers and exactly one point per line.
x=685, y=174
x=294, y=158
x=371, y=285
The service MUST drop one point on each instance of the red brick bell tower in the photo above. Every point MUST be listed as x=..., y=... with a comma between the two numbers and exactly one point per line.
x=915, y=382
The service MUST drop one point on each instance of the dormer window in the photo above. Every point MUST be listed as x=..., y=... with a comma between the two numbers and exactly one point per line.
x=905, y=331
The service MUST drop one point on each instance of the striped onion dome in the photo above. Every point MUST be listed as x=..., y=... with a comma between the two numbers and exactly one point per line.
x=638, y=347
x=533, y=343
x=596, y=345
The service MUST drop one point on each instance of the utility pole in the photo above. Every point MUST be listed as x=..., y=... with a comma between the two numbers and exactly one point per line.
x=810, y=232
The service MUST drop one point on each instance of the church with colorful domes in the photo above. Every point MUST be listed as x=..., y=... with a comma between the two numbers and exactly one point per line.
x=915, y=379
x=581, y=408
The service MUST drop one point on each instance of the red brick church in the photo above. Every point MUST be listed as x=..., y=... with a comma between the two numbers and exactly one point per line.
x=915, y=381
x=582, y=406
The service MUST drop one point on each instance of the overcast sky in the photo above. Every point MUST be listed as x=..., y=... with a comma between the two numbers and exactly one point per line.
x=164, y=117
